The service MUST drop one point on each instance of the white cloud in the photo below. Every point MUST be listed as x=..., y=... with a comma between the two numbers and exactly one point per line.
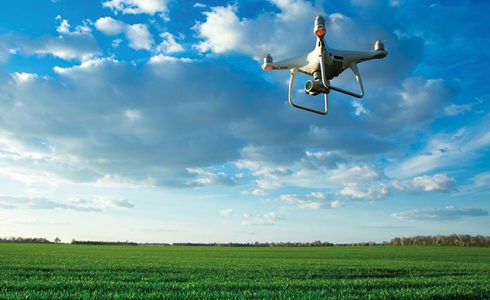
x=438, y=182
x=110, y=26
x=454, y=109
x=64, y=27
x=448, y=149
x=223, y=31
x=124, y=203
x=76, y=204
x=22, y=77
x=265, y=219
x=226, y=212
x=438, y=214
x=86, y=65
x=78, y=44
x=139, y=37
x=359, y=108
x=372, y=191
x=161, y=58
x=199, y=5
x=481, y=180
x=116, y=43
x=411, y=107
x=169, y=45
x=292, y=198
x=150, y=7
x=311, y=205
x=138, y=34
x=336, y=204
x=476, y=184
x=268, y=176
x=207, y=178
x=106, y=131
x=314, y=200
x=361, y=182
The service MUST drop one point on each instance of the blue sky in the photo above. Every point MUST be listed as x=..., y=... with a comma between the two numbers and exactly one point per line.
x=152, y=121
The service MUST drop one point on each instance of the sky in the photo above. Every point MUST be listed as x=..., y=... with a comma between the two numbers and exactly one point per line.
x=152, y=121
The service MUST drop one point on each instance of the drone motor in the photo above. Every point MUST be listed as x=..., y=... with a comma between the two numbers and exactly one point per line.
x=379, y=46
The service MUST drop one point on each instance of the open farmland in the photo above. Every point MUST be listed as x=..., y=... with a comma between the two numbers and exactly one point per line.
x=29, y=271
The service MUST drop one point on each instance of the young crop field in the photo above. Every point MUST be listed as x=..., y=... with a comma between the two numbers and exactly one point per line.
x=30, y=271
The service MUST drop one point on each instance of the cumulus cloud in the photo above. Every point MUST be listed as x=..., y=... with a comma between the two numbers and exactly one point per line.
x=440, y=214
x=438, y=182
x=356, y=181
x=221, y=30
x=360, y=182
x=169, y=45
x=23, y=77
x=110, y=26
x=139, y=37
x=150, y=7
x=138, y=34
x=119, y=132
x=224, y=31
x=64, y=28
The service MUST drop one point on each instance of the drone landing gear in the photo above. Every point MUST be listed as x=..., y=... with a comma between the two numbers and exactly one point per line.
x=314, y=87
x=294, y=72
x=357, y=76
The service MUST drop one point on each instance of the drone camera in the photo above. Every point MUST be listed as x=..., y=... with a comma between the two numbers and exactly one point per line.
x=315, y=87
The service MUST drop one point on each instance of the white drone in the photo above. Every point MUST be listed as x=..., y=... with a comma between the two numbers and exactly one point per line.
x=324, y=64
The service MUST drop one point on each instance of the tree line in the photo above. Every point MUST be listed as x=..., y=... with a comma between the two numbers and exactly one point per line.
x=25, y=240
x=459, y=240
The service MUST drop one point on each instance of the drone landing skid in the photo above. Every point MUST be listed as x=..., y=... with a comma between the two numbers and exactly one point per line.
x=357, y=76
x=294, y=72
x=329, y=87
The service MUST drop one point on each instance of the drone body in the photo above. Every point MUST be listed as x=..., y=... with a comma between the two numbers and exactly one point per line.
x=323, y=64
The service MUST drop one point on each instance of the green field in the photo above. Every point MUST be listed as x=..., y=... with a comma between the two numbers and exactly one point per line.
x=29, y=271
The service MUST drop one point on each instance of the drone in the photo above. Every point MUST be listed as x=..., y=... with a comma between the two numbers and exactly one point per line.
x=324, y=64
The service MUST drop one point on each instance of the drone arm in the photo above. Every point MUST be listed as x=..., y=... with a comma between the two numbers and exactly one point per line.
x=294, y=72
x=287, y=64
x=357, y=75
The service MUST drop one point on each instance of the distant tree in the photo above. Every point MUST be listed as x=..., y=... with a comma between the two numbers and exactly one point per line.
x=57, y=240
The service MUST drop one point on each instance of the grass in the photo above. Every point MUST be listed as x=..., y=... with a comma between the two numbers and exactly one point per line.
x=30, y=271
